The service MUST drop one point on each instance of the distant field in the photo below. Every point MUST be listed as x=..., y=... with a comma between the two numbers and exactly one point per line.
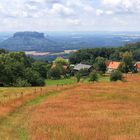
x=65, y=81
x=86, y=111
x=72, y=80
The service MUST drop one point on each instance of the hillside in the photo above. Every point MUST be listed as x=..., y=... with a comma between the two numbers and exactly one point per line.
x=26, y=41
x=85, y=111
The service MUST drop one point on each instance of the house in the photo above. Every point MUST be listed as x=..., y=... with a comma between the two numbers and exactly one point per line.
x=107, y=62
x=137, y=66
x=64, y=67
x=80, y=66
x=112, y=66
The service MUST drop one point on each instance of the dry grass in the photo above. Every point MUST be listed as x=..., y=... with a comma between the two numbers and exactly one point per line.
x=101, y=111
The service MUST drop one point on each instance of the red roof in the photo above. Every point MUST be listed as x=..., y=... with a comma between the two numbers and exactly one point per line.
x=113, y=65
x=107, y=63
x=137, y=65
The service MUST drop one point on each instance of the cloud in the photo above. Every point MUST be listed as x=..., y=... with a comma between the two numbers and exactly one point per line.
x=74, y=22
x=69, y=14
x=62, y=10
x=99, y=12
x=123, y=6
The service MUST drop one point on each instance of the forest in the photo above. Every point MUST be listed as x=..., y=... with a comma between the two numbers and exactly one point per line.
x=19, y=70
x=89, y=55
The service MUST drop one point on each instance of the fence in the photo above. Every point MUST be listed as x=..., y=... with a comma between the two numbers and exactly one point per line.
x=21, y=96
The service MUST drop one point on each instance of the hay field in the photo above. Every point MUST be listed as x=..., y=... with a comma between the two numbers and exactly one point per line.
x=86, y=111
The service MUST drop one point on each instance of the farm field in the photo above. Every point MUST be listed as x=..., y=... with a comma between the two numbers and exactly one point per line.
x=84, y=111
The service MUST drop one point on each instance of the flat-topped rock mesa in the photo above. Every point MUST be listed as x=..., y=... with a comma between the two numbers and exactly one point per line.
x=29, y=34
x=30, y=41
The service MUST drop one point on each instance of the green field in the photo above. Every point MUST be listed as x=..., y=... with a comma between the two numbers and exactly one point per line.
x=65, y=81
x=72, y=80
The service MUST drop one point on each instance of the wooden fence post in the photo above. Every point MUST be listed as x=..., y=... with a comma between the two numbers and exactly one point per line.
x=22, y=96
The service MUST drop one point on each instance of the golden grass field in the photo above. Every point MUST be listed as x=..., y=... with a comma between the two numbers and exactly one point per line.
x=85, y=111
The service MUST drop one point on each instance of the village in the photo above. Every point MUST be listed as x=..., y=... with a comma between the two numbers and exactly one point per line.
x=114, y=70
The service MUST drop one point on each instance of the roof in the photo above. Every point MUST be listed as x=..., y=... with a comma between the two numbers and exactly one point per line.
x=64, y=66
x=107, y=63
x=137, y=65
x=81, y=66
x=113, y=65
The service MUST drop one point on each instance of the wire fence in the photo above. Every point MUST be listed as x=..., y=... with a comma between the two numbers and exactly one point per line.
x=21, y=96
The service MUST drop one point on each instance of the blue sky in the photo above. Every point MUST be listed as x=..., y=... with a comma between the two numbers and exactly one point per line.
x=70, y=15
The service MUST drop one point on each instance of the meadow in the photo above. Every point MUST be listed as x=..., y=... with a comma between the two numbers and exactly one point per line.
x=70, y=111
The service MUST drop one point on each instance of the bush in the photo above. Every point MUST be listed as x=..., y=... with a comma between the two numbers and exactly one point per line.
x=93, y=76
x=22, y=83
x=34, y=78
x=78, y=76
x=55, y=73
x=116, y=75
x=84, y=72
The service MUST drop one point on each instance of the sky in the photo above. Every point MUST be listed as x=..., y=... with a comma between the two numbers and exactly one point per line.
x=69, y=15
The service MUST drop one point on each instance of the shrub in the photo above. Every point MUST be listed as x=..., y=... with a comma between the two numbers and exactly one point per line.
x=78, y=76
x=55, y=73
x=93, y=76
x=84, y=72
x=34, y=78
x=116, y=75
x=22, y=83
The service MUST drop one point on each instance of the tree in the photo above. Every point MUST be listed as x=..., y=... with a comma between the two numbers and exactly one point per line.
x=93, y=76
x=55, y=72
x=78, y=76
x=16, y=70
x=41, y=67
x=61, y=61
x=34, y=78
x=127, y=63
x=22, y=83
x=100, y=64
x=136, y=55
x=116, y=75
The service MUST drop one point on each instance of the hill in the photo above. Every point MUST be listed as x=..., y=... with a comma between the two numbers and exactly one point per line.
x=85, y=111
x=28, y=41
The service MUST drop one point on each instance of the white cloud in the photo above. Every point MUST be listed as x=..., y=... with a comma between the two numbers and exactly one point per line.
x=132, y=6
x=61, y=10
x=99, y=12
x=88, y=8
x=69, y=14
x=109, y=12
x=111, y=2
x=73, y=22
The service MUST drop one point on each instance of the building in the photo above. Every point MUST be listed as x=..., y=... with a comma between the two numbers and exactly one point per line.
x=137, y=66
x=80, y=66
x=112, y=66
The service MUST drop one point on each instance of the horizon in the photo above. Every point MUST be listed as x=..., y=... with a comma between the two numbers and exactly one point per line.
x=81, y=31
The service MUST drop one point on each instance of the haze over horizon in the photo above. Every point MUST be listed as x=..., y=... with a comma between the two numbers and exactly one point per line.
x=69, y=15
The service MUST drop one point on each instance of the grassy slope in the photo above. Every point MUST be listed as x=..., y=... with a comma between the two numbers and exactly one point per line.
x=99, y=111
x=13, y=125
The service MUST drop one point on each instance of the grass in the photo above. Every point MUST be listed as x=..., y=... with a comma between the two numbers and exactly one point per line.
x=100, y=111
x=101, y=78
x=104, y=79
x=65, y=81
x=72, y=80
